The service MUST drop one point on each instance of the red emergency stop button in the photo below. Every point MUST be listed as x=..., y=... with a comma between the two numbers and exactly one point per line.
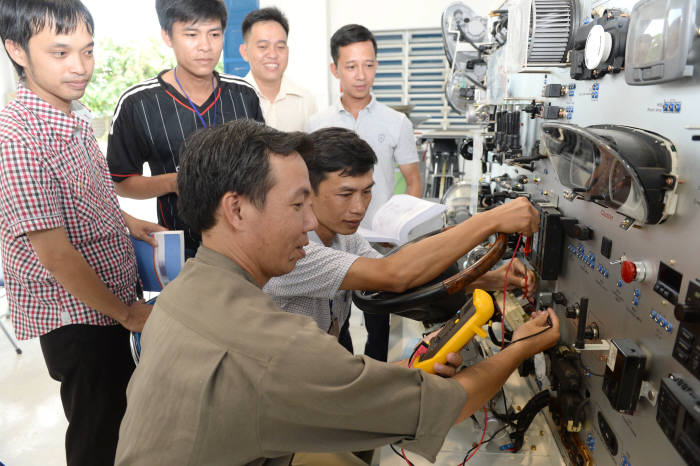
x=628, y=271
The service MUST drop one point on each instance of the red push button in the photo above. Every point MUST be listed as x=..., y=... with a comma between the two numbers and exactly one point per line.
x=628, y=271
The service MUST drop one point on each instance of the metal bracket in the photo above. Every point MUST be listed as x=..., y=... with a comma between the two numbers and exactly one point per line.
x=649, y=392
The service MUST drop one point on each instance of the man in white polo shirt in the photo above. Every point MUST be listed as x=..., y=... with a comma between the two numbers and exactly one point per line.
x=285, y=105
x=388, y=132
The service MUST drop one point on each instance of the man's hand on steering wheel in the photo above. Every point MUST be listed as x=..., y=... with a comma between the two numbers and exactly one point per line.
x=516, y=216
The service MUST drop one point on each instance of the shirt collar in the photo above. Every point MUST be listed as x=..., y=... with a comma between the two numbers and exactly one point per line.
x=251, y=80
x=287, y=87
x=64, y=125
x=369, y=107
x=211, y=257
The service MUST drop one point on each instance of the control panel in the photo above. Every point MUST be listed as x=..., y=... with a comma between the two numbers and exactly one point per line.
x=601, y=137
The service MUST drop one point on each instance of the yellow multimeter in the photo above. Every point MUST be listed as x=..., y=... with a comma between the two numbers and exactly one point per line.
x=456, y=333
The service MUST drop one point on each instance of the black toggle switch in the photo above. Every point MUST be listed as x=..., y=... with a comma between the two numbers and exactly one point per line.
x=687, y=313
x=575, y=229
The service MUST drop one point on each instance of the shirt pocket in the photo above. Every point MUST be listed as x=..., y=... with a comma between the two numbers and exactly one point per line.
x=83, y=204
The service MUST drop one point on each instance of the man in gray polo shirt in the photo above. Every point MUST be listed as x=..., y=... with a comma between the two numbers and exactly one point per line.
x=338, y=260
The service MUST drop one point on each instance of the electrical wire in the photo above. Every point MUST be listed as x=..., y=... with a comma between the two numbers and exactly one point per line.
x=506, y=416
x=479, y=49
x=467, y=456
x=586, y=369
x=579, y=409
x=474, y=81
x=505, y=290
x=500, y=429
x=402, y=455
x=532, y=335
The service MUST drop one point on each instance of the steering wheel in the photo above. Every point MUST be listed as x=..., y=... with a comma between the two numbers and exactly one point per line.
x=437, y=300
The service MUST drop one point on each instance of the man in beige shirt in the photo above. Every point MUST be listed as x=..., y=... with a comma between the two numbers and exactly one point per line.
x=227, y=377
x=285, y=105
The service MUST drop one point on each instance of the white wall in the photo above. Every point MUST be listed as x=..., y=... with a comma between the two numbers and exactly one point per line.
x=8, y=79
x=308, y=44
x=387, y=14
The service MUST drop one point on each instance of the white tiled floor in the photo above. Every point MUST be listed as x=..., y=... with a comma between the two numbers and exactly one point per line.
x=32, y=423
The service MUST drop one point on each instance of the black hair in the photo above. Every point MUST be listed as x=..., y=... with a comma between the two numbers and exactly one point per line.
x=187, y=11
x=264, y=14
x=20, y=20
x=350, y=34
x=338, y=149
x=233, y=157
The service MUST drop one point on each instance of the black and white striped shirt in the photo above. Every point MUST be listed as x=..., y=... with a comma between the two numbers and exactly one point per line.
x=153, y=119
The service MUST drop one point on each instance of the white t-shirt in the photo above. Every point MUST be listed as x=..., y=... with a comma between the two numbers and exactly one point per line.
x=388, y=132
x=313, y=287
x=291, y=109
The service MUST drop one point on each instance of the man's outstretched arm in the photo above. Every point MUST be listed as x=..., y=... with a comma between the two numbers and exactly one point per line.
x=419, y=263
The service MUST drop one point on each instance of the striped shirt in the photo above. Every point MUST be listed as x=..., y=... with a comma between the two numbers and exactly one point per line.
x=313, y=287
x=53, y=175
x=153, y=119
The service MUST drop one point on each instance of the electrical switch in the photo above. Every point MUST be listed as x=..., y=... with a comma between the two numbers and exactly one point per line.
x=633, y=271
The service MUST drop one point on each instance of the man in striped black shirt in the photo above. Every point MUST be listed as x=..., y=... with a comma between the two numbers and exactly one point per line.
x=154, y=118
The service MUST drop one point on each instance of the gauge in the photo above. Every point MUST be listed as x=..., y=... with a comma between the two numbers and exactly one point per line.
x=627, y=169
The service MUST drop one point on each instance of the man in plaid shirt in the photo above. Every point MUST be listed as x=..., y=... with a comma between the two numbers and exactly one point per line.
x=69, y=266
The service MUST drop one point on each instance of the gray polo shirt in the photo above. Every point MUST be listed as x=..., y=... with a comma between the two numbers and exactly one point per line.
x=313, y=287
x=227, y=378
x=388, y=132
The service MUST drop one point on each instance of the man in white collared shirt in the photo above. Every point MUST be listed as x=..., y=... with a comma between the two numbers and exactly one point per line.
x=285, y=105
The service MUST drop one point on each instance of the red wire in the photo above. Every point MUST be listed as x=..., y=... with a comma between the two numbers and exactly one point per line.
x=483, y=434
x=526, y=285
x=505, y=290
x=403, y=453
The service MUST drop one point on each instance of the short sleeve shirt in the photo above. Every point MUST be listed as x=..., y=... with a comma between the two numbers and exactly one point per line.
x=291, y=109
x=153, y=120
x=242, y=382
x=388, y=132
x=313, y=287
x=53, y=175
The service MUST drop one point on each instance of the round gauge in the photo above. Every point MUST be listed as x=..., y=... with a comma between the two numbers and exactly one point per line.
x=598, y=46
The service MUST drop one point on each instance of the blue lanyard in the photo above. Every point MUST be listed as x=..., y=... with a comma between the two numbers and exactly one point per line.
x=194, y=107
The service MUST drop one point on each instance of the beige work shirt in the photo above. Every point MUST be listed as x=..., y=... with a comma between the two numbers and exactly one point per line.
x=228, y=378
x=291, y=109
